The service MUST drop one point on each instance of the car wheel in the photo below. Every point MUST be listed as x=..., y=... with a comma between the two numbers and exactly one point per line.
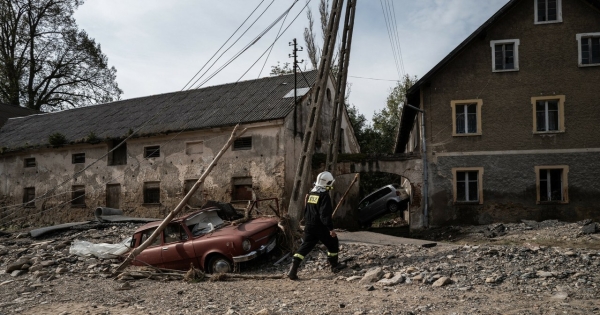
x=219, y=264
x=393, y=207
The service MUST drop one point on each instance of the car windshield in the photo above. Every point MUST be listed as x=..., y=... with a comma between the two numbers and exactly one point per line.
x=204, y=222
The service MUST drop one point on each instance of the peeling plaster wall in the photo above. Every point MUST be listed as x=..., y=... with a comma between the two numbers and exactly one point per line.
x=265, y=163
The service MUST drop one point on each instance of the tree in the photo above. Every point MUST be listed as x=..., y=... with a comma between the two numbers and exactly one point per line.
x=310, y=38
x=46, y=62
x=281, y=70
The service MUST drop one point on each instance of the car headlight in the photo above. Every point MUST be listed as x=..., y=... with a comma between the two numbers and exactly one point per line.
x=246, y=245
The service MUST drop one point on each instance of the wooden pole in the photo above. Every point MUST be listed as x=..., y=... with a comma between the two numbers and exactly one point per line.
x=344, y=196
x=181, y=204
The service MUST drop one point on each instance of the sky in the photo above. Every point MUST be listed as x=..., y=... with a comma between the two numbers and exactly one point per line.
x=157, y=46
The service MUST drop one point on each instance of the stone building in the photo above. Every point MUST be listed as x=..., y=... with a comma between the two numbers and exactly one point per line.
x=512, y=118
x=175, y=136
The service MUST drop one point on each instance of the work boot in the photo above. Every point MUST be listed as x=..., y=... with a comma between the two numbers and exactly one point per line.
x=335, y=266
x=293, y=273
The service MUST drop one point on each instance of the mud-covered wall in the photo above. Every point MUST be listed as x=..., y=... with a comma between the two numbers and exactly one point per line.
x=264, y=163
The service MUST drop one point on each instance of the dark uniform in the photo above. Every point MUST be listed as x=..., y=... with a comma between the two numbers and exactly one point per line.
x=318, y=225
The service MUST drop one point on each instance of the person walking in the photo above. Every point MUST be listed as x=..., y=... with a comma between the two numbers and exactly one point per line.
x=318, y=225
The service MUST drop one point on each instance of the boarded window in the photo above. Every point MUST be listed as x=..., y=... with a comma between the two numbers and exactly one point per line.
x=78, y=196
x=466, y=118
x=590, y=50
x=244, y=143
x=29, y=197
x=152, y=152
x=242, y=188
x=547, y=10
x=547, y=115
x=467, y=186
x=195, y=200
x=194, y=147
x=152, y=192
x=78, y=158
x=504, y=56
x=113, y=195
x=119, y=155
x=551, y=185
x=29, y=162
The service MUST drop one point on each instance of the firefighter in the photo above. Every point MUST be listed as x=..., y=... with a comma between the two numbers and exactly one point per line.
x=318, y=225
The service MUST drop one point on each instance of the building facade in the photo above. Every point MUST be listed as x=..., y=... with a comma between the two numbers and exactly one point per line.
x=511, y=118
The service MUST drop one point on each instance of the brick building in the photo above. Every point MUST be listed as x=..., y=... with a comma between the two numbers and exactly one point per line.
x=512, y=118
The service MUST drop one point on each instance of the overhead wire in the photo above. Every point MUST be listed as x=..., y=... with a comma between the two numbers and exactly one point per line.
x=387, y=24
x=393, y=14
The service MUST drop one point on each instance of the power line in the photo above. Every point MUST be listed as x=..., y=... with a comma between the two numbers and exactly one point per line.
x=351, y=76
x=387, y=24
x=393, y=14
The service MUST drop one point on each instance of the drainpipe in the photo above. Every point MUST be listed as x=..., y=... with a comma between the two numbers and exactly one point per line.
x=425, y=172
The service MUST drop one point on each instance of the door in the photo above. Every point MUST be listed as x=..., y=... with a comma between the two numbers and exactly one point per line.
x=177, y=253
x=113, y=194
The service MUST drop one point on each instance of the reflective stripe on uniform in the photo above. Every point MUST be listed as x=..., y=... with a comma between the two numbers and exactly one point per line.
x=299, y=256
x=331, y=254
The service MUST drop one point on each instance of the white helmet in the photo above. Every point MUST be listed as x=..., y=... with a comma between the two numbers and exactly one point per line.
x=325, y=180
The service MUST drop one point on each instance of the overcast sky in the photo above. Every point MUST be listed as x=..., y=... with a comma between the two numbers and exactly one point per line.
x=157, y=46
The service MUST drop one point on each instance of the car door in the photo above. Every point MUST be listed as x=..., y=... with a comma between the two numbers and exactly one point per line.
x=177, y=251
x=153, y=254
x=380, y=204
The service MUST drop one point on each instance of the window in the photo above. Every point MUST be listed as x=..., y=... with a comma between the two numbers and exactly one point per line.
x=152, y=192
x=119, y=155
x=548, y=11
x=505, y=55
x=29, y=162
x=146, y=235
x=78, y=196
x=552, y=186
x=244, y=143
x=466, y=117
x=29, y=197
x=78, y=158
x=194, y=147
x=341, y=141
x=152, y=152
x=242, y=188
x=174, y=232
x=548, y=114
x=468, y=185
x=589, y=49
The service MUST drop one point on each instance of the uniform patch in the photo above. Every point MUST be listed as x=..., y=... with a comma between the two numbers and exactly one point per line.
x=313, y=199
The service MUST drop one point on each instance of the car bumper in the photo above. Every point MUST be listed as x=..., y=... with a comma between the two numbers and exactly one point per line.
x=253, y=254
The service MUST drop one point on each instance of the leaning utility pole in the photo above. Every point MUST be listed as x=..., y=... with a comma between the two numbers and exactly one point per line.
x=294, y=55
x=308, y=143
x=333, y=146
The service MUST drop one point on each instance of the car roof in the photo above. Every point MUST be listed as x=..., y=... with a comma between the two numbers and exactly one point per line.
x=378, y=189
x=178, y=219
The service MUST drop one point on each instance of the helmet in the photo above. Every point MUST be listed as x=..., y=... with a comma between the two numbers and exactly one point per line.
x=325, y=180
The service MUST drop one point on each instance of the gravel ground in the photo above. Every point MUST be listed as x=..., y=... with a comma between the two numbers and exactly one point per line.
x=508, y=269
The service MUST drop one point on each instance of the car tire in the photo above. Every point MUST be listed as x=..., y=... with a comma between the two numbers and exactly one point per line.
x=219, y=264
x=393, y=207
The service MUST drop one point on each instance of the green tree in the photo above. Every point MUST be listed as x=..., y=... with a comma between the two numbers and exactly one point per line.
x=281, y=70
x=46, y=62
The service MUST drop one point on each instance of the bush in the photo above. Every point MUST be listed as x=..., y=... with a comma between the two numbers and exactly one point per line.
x=92, y=138
x=57, y=139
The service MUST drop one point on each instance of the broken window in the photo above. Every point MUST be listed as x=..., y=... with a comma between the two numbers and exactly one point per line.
x=78, y=196
x=195, y=200
x=242, y=188
x=548, y=11
x=552, y=183
x=174, y=232
x=194, y=147
x=152, y=192
x=505, y=55
x=152, y=152
x=547, y=115
x=468, y=185
x=244, y=143
x=29, y=162
x=146, y=235
x=119, y=155
x=29, y=197
x=78, y=158
x=589, y=49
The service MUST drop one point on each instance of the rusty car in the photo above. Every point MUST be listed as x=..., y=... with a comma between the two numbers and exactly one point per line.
x=204, y=239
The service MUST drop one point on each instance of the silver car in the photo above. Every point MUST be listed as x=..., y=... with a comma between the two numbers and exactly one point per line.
x=385, y=199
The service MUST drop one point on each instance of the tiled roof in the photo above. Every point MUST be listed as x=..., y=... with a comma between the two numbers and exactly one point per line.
x=222, y=105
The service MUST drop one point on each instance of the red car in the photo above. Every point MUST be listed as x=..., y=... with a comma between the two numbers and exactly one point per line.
x=204, y=239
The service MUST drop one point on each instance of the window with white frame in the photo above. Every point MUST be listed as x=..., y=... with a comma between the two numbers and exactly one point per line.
x=548, y=11
x=589, y=49
x=548, y=113
x=466, y=117
x=552, y=184
x=505, y=55
x=467, y=185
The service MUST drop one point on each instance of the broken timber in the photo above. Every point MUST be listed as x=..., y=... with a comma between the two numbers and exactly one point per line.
x=344, y=196
x=181, y=204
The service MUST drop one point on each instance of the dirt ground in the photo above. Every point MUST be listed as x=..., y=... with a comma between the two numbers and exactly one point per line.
x=536, y=268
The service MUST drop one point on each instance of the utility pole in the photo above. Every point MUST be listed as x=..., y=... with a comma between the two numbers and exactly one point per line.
x=308, y=143
x=294, y=55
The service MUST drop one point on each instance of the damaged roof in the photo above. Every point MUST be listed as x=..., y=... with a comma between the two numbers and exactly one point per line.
x=216, y=106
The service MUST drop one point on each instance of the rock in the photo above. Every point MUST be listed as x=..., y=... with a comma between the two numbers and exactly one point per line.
x=391, y=281
x=570, y=254
x=18, y=265
x=442, y=282
x=25, y=267
x=265, y=311
x=48, y=263
x=545, y=274
x=417, y=278
x=369, y=287
x=497, y=230
x=388, y=275
x=353, y=278
x=411, y=270
x=35, y=268
x=372, y=275
x=61, y=270
x=589, y=228
x=17, y=273
x=560, y=296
